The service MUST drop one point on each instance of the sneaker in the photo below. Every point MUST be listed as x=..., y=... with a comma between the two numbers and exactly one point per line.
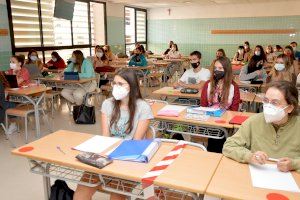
x=12, y=128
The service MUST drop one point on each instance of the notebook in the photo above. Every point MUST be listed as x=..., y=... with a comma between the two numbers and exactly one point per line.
x=238, y=119
x=71, y=76
x=136, y=150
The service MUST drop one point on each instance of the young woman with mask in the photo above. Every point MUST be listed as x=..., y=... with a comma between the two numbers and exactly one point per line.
x=289, y=52
x=138, y=58
x=254, y=70
x=281, y=70
x=248, y=51
x=126, y=115
x=239, y=55
x=17, y=68
x=196, y=76
x=271, y=134
x=220, y=53
x=56, y=61
x=220, y=92
x=170, y=46
x=34, y=64
x=99, y=58
x=270, y=55
x=108, y=53
x=85, y=69
x=173, y=53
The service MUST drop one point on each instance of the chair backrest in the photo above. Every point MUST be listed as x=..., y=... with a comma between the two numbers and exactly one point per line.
x=34, y=71
x=188, y=143
x=151, y=133
x=98, y=76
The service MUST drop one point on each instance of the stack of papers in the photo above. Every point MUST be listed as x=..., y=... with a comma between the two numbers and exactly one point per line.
x=269, y=177
x=171, y=110
x=214, y=112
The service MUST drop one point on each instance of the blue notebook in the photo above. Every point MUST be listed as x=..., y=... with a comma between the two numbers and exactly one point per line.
x=136, y=150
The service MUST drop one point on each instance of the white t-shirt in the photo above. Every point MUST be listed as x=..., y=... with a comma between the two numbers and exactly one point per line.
x=190, y=77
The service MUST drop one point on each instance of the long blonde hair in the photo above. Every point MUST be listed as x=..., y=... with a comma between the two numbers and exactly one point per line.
x=284, y=75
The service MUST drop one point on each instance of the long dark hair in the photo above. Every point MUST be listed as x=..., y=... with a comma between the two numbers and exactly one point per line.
x=292, y=53
x=56, y=55
x=29, y=54
x=79, y=59
x=134, y=94
x=20, y=59
x=255, y=59
x=227, y=80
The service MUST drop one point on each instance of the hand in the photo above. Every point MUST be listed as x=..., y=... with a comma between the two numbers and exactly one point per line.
x=175, y=85
x=284, y=164
x=259, y=157
x=259, y=72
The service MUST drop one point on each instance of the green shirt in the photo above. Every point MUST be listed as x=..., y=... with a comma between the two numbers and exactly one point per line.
x=87, y=69
x=257, y=135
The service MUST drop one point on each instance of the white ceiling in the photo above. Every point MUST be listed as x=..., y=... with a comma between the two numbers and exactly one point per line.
x=174, y=3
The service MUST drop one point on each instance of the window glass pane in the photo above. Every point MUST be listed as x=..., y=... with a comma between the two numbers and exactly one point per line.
x=141, y=26
x=80, y=25
x=97, y=23
x=56, y=32
x=129, y=25
x=25, y=23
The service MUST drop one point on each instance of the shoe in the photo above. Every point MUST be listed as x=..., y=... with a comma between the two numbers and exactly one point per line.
x=12, y=128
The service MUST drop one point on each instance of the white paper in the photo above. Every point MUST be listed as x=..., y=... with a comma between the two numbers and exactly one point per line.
x=207, y=109
x=269, y=177
x=97, y=144
x=176, y=108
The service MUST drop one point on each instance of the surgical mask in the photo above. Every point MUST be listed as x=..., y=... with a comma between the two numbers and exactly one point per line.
x=218, y=75
x=257, y=53
x=119, y=92
x=33, y=58
x=240, y=51
x=195, y=65
x=279, y=66
x=99, y=54
x=73, y=60
x=13, y=66
x=273, y=113
x=54, y=59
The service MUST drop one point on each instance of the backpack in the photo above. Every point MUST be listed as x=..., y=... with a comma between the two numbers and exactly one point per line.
x=61, y=191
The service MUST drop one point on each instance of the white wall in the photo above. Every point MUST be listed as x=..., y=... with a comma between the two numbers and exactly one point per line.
x=288, y=8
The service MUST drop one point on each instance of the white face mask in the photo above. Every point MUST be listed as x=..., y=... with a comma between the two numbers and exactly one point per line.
x=99, y=54
x=257, y=53
x=33, y=58
x=54, y=59
x=294, y=48
x=273, y=113
x=279, y=66
x=240, y=51
x=13, y=66
x=119, y=92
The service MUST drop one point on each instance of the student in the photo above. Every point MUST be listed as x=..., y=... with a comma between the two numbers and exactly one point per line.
x=99, y=59
x=220, y=53
x=126, y=115
x=270, y=55
x=170, y=46
x=34, y=64
x=239, y=55
x=254, y=70
x=85, y=69
x=296, y=52
x=278, y=50
x=248, y=51
x=56, y=61
x=108, y=53
x=17, y=68
x=220, y=92
x=138, y=58
x=271, y=134
x=281, y=70
x=289, y=52
x=196, y=76
x=173, y=53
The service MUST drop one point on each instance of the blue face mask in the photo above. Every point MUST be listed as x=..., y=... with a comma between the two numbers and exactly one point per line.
x=33, y=58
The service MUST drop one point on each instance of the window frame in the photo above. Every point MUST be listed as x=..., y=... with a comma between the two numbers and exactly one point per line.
x=43, y=48
x=135, y=28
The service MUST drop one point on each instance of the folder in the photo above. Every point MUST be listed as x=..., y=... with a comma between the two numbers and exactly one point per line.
x=136, y=150
x=238, y=120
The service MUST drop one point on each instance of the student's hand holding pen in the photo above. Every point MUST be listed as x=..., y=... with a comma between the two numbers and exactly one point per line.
x=284, y=164
x=259, y=157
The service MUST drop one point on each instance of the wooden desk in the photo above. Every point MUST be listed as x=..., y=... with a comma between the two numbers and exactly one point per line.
x=31, y=90
x=171, y=92
x=247, y=96
x=232, y=180
x=201, y=164
x=61, y=83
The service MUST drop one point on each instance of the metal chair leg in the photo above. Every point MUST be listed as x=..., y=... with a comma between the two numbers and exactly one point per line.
x=26, y=129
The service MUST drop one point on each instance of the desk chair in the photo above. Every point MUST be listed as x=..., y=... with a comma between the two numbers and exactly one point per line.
x=51, y=96
x=97, y=91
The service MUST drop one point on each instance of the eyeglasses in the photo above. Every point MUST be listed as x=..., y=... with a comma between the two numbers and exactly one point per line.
x=274, y=102
x=113, y=83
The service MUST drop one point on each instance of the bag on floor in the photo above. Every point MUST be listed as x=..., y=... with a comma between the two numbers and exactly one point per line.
x=84, y=114
x=61, y=191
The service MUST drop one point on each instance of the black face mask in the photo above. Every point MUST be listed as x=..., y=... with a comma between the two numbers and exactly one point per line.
x=195, y=65
x=218, y=75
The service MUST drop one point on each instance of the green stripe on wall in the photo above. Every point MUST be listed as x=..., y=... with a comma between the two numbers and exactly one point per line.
x=5, y=45
x=195, y=34
x=116, y=33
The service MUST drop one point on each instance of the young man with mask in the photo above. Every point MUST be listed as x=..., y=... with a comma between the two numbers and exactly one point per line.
x=271, y=134
x=196, y=76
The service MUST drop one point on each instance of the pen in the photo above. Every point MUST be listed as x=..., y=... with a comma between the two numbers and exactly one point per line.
x=58, y=148
x=273, y=159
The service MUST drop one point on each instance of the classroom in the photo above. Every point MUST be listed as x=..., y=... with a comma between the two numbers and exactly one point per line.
x=150, y=99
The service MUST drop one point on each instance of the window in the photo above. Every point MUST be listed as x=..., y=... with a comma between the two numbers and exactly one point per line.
x=135, y=27
x=34, y=26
